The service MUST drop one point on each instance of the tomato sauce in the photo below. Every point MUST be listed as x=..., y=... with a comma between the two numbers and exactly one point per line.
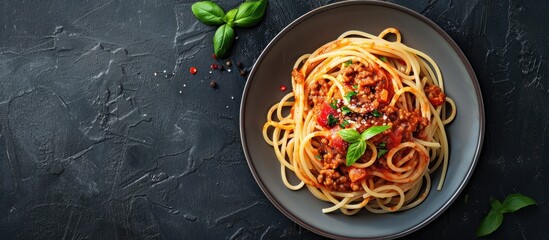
x=374, y=92
x=324, y=115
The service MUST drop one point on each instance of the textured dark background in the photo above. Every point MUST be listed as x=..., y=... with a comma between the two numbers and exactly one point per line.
x=93, y=145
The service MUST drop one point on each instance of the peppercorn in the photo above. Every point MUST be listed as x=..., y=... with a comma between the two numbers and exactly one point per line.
x=213, y=84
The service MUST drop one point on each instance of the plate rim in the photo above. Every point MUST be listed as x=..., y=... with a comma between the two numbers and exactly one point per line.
x=429, y=23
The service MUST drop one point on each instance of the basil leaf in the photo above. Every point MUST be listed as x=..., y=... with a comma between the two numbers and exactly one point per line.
x=331, y=120
x=345, y=110
x=496, y=205
x=250, y=13
x=383, y=58
x=223, y=40
x=318, y=157
x=333, y=104
x=208, y=12
x=355, y=86
x=372, y=131
x=347, y=63
x=494, y=218
x=344, y=123
x=230, y=16
x=349, y=135
x=517, y=201
x=375, y=113
x=489, y=223
x=349, y=95
x=381, y=152
x=355, y=151
x=381, y=145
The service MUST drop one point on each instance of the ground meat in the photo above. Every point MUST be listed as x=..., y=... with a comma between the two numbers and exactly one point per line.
x=317, y=93
x=374, y=93
x=435, y=94
x=360, y=74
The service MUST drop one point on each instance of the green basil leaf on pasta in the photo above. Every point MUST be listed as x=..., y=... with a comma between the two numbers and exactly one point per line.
x=223, y=40
x=372, y=131
x=517, y=201
x=333, y=104
x=344, y=123
x=347, y=63
x=381, y=152
x=355, y=151
x=250, y=13
x=349, y=95
x=490, y=223
x=383, y=58
x=208, y=12
x=376, y=113
x=349, y=135
x=345, y=110
x=331, y=120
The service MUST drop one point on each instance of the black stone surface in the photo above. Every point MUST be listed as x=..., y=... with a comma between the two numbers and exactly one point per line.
x=94, y=145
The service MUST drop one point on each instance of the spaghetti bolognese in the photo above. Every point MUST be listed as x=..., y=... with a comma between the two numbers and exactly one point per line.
x=366, y=124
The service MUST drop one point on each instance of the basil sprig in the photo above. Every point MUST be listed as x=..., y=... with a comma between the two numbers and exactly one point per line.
x=357, y=141
x=230, y=16
x=493, y=220
x=247, y=14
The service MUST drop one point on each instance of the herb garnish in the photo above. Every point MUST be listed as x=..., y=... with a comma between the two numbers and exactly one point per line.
x=493, y=220
x=357, y=141
x=318, y=157
x=347, y=63
x=349, y=95
x=383, y=58
x=345, y=110
x=375, y=113
x=331, y=120
x=344, y=123
x=333, y=104
x=247, y=14
x=381, y=152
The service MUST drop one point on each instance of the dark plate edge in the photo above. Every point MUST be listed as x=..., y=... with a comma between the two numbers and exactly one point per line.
x=430, y=24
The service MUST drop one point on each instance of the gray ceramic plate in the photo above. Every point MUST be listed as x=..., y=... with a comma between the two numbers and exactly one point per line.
x=306, y=34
